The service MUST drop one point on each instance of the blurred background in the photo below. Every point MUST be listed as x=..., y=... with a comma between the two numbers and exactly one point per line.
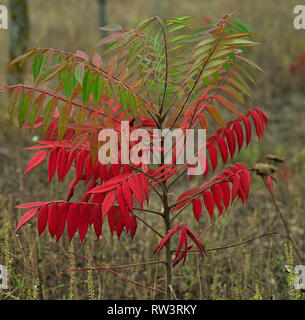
x=253, y=271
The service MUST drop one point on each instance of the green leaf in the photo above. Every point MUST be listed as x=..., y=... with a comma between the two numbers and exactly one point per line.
x=242, y=24
x=37, y=64
x=132, y=103
x=80, y=117
x=239, y=35
x=63, y=119
x=23, y=57
x=238, y=81
x=51, y=73
x=48, y=114
x=87, y=85
x=25, y=107
x=123, y=98
x=143, y=24
x=207, y=81
x=178, y=38
x=111, y=27
x=14, y=104
x=79, y=73
x=35, y=111
x=205, y=42
x=240, y=42
x=250, y=63
x=69, y=82
x=98, y=88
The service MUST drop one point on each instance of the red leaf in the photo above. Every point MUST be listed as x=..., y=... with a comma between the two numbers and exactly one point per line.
x=185, y=195
x=84, y=219
x=53, y=219
x=71, y=188
x=239, y=133
x=166, y=238
x=137, y=190
x=261, y=119
x=247, y=124
x=108, y=203
x=89, y=168
x=121, y=201
x=52, y=163
x=113, y=217
x=98, y=198
x=209, y=202
x=145, y=187
x=62, y=218
x=133, y=226
x=71, y=156
x=226, y=193
x=262, y=116
x=235, y=186
x=213, y=155
x=36, y=160
x=26, y=217
x=155, y=174
x=257, y=123
x=61, y=163
x=270, y=184
x=127, y=196
x=197, y=208
x=203, y=163
x=196, y=240
x=42, y=219
x=110, y=184
x=231, y=141
x=218, y=195
x=73, y=219
x=103, y=188
x=245, y=182
x=30, y=205
x=97, y=220
x=80, y=163
x=182, y=240
x=223, y=149
x=87, y=195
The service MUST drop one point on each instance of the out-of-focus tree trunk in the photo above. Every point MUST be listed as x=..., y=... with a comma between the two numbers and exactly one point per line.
x=102, y=16
x=19, y=36
x=158, y=8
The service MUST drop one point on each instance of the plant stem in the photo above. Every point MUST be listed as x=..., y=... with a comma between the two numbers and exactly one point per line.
x=169, y=271
x=167, y=223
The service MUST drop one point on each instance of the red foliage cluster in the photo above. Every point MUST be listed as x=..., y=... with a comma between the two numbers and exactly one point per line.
x=116, y=183
x=77, y=216
x=184, y=233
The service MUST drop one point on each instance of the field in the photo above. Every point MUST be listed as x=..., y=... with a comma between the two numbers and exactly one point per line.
x=254, y=270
